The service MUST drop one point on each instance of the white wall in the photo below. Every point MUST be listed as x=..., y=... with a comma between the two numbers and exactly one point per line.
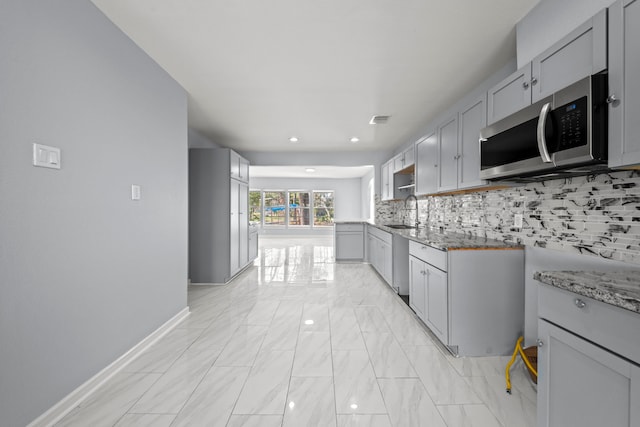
x=347, y=192
x=85, y=272
x=549, y=21
x=309, y=158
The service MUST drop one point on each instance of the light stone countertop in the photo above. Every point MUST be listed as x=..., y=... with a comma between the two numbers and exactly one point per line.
x=618, y=288
x=445, y=241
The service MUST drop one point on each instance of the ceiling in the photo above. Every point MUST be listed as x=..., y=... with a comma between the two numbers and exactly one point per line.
x=258, y=72
x=339, y=172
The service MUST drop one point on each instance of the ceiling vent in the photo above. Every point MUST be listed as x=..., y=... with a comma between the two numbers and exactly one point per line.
x=379, y=120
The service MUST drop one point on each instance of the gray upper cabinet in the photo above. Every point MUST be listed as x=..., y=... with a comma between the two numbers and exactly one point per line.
x=473, y=117
x=398, y=162
x=581, y=53
x=386, y=173
x=510, y=95
x=404, y=159
x=448, y=154
x=427, y=165
x=624, y=83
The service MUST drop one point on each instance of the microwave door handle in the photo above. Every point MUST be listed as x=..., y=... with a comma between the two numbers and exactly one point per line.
x=542, y=142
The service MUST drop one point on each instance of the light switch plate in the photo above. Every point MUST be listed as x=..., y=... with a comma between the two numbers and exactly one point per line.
x=45, y=156
x=135, y=192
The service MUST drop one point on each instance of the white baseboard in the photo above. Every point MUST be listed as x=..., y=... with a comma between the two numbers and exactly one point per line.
x=73, y=399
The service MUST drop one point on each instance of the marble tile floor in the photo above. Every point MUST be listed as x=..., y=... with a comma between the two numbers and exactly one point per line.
x=299, y=340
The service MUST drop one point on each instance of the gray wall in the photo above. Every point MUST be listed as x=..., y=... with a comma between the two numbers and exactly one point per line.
x=367, y=189
x=549, y=21
x=197, y=140
x=85, y=272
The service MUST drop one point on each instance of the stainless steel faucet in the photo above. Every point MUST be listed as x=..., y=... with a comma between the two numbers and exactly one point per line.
x=416, y=200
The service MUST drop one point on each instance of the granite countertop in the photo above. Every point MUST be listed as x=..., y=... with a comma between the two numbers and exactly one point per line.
x=445, y=241
x=618, y=288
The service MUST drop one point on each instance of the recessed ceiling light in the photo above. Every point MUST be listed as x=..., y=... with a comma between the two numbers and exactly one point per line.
x=294, y=139
x=354, y=139
x=310, y=170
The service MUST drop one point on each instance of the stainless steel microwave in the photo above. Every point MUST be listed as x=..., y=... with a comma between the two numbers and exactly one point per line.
x=563, y=134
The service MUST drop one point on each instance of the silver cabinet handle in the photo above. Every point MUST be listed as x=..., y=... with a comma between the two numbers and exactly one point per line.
x=579, y=303
x=542, y=143
x=540, y=343
x=611, y=98
x=525, y=85
x=534, y=81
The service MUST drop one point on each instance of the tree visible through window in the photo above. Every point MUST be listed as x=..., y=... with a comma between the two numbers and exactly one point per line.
x=323, y=209
x=274, y=207
x=299, y=202
x=255, y=206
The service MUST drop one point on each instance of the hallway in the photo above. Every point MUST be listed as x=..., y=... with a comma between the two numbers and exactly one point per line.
x=298, y=340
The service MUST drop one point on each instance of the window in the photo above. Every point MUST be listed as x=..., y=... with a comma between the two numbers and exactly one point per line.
x=255, y=206
x=299, y=202
x=274, y=208
x=322, y=208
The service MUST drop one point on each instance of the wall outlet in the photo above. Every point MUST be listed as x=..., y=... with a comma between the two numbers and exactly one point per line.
x=517, y=221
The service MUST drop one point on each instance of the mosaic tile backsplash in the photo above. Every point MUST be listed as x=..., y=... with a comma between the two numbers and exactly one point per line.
x=595, y=215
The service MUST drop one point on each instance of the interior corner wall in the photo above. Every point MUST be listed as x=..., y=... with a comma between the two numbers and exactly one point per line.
x=85, y=272
x=198, y=140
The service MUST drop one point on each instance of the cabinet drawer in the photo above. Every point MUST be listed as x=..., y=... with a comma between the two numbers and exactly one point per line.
x=611, y=327
x=350, y=227
x=382, y=235
x=433, y=256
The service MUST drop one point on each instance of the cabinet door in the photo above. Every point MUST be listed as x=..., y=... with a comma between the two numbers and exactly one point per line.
x=409, y=156
x=234, y=164
x=417, y=274
x=581, y=53
x=234, y=227
x=253, y=246
x=243, y=225
x=384, y=188
x=427, y=165
x=624, y=83
x=581, y=384
x=349, y=245
x=386, y=262
x=510, y=95
x=398, y=162
x=436, y=306
x=473, y=118
x=448, y=154
x=243, y=170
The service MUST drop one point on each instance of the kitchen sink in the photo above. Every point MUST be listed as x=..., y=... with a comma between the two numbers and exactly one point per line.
x=400, y=226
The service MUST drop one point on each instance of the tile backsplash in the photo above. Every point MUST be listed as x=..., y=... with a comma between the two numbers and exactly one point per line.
x=596, y=215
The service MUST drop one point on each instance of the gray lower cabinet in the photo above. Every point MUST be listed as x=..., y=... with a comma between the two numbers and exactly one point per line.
x=253, y=244
x=218, y=215
x=579, y=54
x=380, y=253
x=624, y=83
x=428, y=295
x=581, y=384
x=588, y=362
x=472, y=309
x=349, y=242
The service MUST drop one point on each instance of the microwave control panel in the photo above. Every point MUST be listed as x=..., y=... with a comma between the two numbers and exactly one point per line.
x=571, y=122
